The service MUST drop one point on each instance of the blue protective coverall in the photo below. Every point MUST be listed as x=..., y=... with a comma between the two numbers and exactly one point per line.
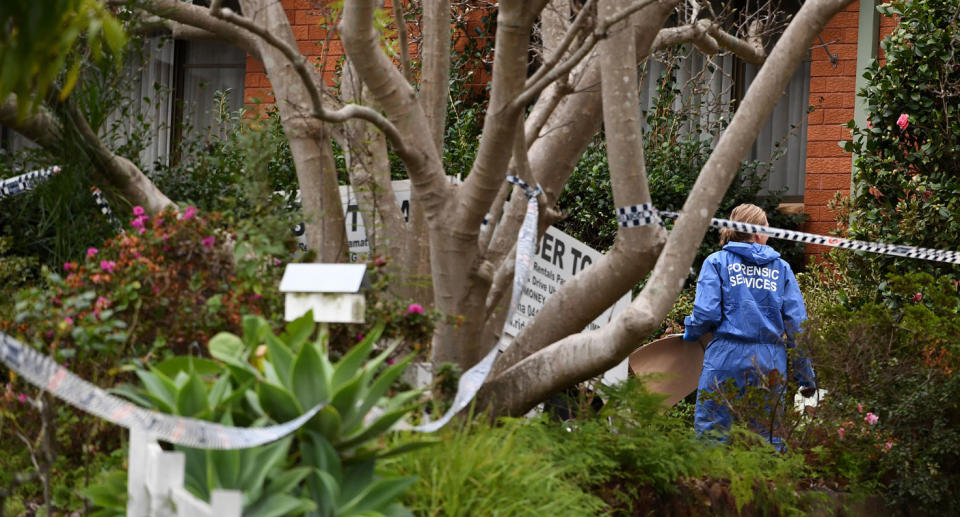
x=748, y=297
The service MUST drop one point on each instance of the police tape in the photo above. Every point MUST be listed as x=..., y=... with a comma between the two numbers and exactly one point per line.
x=105, y=210
x=471, y=381
x=26, y=182
x=46, y=374
x=639, y=215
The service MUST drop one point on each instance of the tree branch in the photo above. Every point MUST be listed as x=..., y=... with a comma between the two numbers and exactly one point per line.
x=301, y=65
x=435, y=76
x=182, y=16
x=535, y=85
x=402, y=37
x=581, y=356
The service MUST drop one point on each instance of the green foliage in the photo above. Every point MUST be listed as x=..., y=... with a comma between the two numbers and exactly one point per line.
x=38, y=39
x=260, y=378
x=629, y=454
x=238, y=171
x=675, y=150
x=907, y=180
x=897, y=359
x=477, y=469
x=119, y=301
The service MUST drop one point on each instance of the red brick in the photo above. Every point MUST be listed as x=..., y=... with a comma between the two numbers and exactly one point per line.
x=839, y=84
x=849, y=99
x=854, y=7
x=827, y=100
x=824, y=150
x=818, y=84
x=831, y=34
x=845, y=19
x=835, y=181
x=254, y=64
x=828, y=132
x=821, y=197
x=828, y=165
x=822, y=68
x=258, y=92
x=815, y=117
x=316, y=32
x=256, y=80
x=820, y=227
x=811, y=182
x=300, y=32
x=308, y=47
x=849, y=36
x=305, y=17
x=842, y=50
x=837, y=116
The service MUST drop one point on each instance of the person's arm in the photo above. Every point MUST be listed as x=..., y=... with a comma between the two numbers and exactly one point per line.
x=794, y=314
x=707, y=309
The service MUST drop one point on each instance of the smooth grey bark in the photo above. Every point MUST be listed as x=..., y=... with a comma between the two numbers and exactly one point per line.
x=581, y=356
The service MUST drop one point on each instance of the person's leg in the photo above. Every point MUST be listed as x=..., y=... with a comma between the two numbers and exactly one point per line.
x=711, y=418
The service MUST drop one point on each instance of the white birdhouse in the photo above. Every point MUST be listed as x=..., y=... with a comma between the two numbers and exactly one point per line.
x=333, y=291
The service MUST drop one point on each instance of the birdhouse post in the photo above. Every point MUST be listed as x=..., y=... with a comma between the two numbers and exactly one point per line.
x=333, y=291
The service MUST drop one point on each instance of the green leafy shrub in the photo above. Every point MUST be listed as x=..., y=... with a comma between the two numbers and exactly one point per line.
x=629, y=454
x=120, y=300
x=478, y=469
x=897, y=360
x=907, y=177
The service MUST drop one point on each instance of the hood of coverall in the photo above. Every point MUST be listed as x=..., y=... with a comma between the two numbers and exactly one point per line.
x=753, y=253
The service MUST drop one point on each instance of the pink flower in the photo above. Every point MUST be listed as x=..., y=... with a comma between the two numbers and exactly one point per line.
x=887, y=446
x=208, y=241
x=841, y=431
x=380, y=262
x=91, y=252
x=67, y=266
x=22, y=398
x=903, y=121
x=859, y=408
x=276, y=262
x=190, y=212
x=138, y=210
x=415, y=308
x=68, y=320
x=871, y=419
x=108, y=265
x=139, y=223
x=102, y=302
x=869, y=126
x=360, y=336
x=918, y=297
x=390, y=361
x=255, y=296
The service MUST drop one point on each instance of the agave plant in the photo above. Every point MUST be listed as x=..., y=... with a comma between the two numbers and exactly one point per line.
x=326, y=468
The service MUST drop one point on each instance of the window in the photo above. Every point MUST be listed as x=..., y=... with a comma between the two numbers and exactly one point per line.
x=710, y=85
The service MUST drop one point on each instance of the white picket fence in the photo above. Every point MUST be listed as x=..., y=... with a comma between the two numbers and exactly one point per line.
x=155, y=485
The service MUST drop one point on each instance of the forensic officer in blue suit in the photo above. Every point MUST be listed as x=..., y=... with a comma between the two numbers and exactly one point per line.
x=748, y=297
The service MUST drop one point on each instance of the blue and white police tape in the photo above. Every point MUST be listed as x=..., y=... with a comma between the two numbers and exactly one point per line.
x=105, y=209
x=46, y=374
x=26, y=182
x=473, y=379
x=648, y=215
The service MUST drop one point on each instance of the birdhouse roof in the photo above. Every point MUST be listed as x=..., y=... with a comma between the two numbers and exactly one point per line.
x=324, y=278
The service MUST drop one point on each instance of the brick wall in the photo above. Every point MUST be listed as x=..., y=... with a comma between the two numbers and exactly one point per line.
x=832, y=94
x=307, y=18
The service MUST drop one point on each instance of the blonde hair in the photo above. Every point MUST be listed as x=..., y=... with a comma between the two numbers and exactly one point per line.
x=745, y=213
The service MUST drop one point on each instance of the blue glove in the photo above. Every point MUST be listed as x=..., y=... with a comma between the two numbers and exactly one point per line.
x=687, y=336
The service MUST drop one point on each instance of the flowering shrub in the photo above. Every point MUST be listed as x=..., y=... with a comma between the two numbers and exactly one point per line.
x=892, y=416
x=403, y=318
x=171, y=282
x=906, y=171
